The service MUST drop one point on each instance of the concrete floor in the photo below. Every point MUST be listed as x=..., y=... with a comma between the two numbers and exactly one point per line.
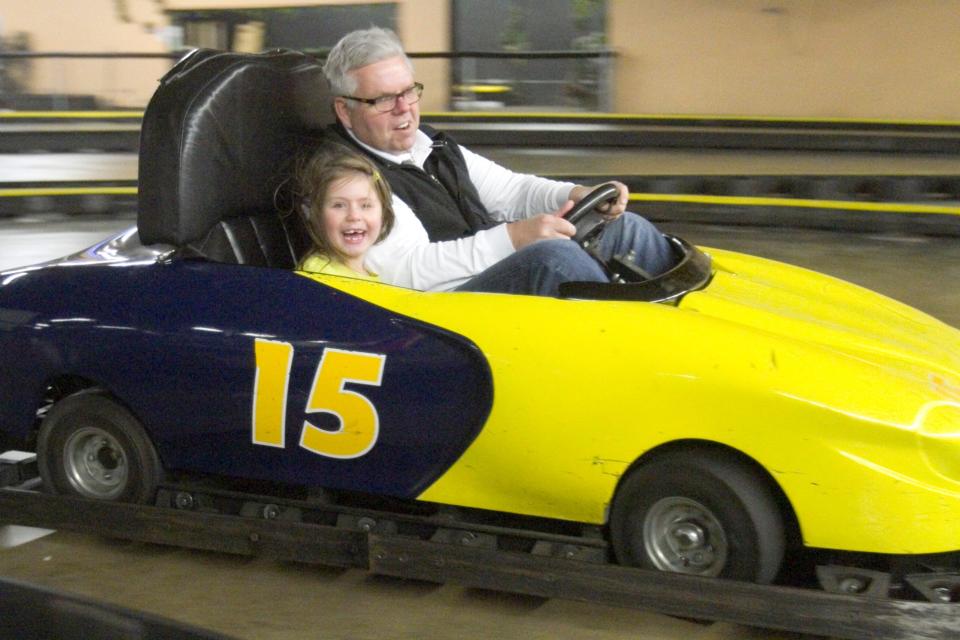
x=262, y=599
x=266, y=600
x=919, y=270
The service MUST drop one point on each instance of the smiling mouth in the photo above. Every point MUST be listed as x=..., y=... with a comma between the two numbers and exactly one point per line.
x=354, y=236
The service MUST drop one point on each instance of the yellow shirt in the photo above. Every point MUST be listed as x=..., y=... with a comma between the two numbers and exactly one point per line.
x=319, y=263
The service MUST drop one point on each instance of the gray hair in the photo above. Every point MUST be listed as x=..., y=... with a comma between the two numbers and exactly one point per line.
x=358, y=49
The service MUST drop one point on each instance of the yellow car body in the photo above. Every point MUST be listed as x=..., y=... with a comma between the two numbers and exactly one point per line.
x=849, y=400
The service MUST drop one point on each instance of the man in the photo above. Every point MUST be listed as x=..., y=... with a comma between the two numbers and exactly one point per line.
x=462, y=221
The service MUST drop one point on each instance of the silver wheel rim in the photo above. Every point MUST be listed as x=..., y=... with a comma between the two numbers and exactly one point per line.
x=95, y=463
x=683, y=536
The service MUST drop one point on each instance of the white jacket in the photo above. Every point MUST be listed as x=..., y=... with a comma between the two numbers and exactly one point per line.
x=407, y=257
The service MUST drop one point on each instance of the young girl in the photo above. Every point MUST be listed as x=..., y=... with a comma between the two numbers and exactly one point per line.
x=346, y=206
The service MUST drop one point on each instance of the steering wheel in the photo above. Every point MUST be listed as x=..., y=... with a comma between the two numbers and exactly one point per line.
x=584, y=216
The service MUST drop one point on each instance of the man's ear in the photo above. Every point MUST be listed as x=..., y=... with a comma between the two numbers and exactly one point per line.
x=343, y=111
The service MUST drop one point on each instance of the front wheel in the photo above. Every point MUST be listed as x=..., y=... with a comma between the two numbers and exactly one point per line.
x=91, y=446
x=701, y=513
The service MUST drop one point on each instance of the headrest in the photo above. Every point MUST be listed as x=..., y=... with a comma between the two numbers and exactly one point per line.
x=217, y=136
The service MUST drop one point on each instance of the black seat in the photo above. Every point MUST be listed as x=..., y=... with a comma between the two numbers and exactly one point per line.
x=216, y=141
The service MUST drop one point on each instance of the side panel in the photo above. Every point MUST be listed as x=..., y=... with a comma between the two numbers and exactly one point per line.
x=178, y=344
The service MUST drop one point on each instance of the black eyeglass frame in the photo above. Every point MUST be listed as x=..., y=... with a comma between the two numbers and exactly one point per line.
x=415, y=89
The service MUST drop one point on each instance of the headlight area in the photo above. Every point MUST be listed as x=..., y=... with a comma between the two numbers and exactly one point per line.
x=938, y=435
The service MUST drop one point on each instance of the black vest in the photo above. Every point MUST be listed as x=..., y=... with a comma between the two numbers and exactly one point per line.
x=441, y=195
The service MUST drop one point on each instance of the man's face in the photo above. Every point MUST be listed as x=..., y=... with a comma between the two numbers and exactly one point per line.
x=393, y=131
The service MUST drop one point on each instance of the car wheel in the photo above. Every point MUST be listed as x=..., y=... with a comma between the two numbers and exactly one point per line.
x=701, y=513
x=93, y=447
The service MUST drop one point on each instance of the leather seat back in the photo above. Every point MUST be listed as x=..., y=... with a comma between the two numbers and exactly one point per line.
x=216, y=143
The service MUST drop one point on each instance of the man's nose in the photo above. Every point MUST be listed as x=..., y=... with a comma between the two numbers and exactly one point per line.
x=400, y=105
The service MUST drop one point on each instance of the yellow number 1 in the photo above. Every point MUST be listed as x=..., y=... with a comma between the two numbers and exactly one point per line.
x=359, y=422
x=270, y=392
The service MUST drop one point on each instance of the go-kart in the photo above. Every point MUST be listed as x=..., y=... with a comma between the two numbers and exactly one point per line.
x=728, y=418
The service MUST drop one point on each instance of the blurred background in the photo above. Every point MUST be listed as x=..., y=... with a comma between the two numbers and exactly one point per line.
x=747, y=118
x=829, y=102
x=751, y=118
x=861, y=59
x=822, y=133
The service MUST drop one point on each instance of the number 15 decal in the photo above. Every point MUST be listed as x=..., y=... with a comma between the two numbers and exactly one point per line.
x=358, y=418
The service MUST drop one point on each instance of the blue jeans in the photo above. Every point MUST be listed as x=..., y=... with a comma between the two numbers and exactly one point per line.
x=540, y=268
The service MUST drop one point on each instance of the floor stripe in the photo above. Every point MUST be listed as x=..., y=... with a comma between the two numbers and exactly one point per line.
x=692, y=118
x=67, y=115
x=740, y=201
x=28, y=192
x=514, y=115
x=744, y=201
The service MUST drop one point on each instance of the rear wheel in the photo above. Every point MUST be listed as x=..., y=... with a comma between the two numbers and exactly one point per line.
x=701, y=512
x=91, y=446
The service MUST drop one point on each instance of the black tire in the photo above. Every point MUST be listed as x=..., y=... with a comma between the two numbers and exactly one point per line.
x=700, y=512
x=91, y=446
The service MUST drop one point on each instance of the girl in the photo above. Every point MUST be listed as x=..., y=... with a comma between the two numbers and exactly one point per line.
x=346, y=206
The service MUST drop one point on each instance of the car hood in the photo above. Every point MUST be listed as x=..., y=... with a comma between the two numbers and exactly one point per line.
x=798, y=304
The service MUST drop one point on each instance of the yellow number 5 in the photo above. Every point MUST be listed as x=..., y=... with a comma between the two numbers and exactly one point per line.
x=359, y=422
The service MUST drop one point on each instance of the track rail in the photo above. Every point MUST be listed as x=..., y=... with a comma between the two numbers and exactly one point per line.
x=119, y=130
x=447, y=550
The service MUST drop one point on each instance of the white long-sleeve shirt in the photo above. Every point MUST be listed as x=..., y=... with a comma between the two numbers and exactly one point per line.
x=407, y=258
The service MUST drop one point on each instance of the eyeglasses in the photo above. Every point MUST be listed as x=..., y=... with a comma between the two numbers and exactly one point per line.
x=388, y=102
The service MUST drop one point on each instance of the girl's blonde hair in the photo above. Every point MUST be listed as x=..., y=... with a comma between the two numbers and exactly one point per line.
x=317, y=172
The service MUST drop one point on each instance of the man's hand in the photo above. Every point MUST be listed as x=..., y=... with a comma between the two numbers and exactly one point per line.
x=543, y=226
x=608, y=210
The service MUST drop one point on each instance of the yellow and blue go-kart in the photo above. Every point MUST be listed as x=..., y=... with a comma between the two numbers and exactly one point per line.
x=718, y=420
